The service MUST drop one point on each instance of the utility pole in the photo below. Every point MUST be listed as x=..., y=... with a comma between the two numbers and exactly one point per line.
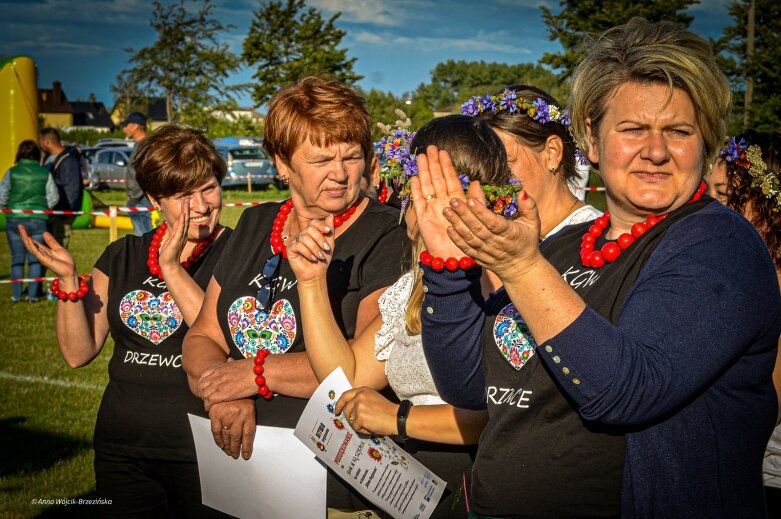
x=749, y=63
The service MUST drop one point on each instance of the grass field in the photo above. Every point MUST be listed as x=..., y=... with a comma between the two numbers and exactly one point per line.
x=47, y=410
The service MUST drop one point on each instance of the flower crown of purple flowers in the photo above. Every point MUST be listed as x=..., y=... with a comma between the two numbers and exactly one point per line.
x=749, y=160
x=538, y=109
x=398, y=165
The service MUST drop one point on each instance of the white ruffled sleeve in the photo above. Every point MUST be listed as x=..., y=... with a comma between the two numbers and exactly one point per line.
x=393, y=306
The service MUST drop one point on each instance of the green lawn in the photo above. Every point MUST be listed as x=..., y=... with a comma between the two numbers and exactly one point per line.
x=47, y=410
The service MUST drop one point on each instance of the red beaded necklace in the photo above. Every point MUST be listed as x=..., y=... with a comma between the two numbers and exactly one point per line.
x=154, y=248
x=613, y=249
x=276, y=240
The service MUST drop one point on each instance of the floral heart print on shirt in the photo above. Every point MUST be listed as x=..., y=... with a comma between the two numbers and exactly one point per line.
x=152, y=317
x=513, y=337
x=253, y=329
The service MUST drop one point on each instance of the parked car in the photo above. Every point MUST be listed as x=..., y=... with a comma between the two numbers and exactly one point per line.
x=245, y=158
x=109, y=168
x=114, y=143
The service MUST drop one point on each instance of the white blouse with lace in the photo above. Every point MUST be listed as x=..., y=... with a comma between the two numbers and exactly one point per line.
x=405, y=364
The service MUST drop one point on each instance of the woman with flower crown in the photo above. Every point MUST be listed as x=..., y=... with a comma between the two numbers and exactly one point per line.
x=145, y=291
x=658, y=321
x=745, y=178
x=246, y=352
x=389, y=352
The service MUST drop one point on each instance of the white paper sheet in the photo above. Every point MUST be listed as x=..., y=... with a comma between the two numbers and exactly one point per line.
x=281, y=478
x=375, y=466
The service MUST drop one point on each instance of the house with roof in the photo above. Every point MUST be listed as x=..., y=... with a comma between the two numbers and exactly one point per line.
x=53, y=107
x=91, y=115
x=154, y=111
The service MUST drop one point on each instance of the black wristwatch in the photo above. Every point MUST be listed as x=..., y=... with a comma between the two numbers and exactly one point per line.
x=401, y=418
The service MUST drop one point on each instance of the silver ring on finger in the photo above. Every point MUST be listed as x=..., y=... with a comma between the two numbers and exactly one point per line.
x=429, y=197
x=226, y=427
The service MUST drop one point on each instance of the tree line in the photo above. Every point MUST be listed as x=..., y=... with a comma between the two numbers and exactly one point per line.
x=190, y=68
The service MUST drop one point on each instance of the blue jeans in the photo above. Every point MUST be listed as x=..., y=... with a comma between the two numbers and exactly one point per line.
x=142, y=222
x=18, y=254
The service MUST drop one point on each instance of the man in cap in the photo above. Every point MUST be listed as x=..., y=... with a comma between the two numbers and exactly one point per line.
x=134, y=127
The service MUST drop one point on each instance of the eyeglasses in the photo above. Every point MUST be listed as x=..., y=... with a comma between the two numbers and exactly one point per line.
x=266, y=292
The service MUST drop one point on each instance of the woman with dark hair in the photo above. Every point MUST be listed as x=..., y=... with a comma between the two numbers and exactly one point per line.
x=541, y=151
x=27, y=185
x=745, y=178
x=319, y=135
x=651, y=333
x=389, y=351
x=146, y=291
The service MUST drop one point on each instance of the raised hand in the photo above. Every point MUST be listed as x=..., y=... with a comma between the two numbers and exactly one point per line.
x=498, y=244
x=50, y=254
x=431, y=190
x=311, y=250
x=175, y=239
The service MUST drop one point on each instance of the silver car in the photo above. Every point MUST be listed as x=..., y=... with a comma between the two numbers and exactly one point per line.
x=247, y=160
x=109, y=168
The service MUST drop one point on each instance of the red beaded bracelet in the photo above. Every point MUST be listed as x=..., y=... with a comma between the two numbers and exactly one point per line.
x=62, y=295
x=451, y=264
x=260, y=380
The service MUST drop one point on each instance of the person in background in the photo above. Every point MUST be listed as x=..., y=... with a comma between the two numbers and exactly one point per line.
x=319, y=135
x=134, y=127
x=27, y=185
x=746, y=178
x=658, y=321
x=66, y=171
x=145, y=291
x=535, y=130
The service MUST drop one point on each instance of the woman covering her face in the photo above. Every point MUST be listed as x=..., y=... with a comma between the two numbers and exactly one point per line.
x=319, y=134
x=657, y=321
x=146, y=291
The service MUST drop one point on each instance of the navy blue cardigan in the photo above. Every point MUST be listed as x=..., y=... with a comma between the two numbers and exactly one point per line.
x=686, y=373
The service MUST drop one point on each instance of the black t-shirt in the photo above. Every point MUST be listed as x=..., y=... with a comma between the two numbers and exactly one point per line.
x=144, y=408
x=537, y=457
x=369, y=255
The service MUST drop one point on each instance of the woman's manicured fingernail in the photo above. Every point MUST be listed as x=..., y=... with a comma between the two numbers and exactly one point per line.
x=326, y=246
x=525, y=195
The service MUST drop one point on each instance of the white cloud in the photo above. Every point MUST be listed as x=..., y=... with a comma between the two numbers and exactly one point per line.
x=375, y=12
x=495, y=42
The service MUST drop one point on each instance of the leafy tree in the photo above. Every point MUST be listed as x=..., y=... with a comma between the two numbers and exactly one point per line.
x=762, y=70
x=286, y=43
x=453, y=82
x=381, y=106
x=579, y=17
x=242, y=126
x=128, y=96
x=186, y=65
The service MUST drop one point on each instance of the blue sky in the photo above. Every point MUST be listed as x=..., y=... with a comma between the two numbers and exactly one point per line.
x=397, y=42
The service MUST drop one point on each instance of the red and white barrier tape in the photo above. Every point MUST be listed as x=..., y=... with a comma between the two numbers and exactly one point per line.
x=118, y=209
x=35, y=280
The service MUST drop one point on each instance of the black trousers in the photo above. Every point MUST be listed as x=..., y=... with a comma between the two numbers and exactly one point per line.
x=144, y=488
